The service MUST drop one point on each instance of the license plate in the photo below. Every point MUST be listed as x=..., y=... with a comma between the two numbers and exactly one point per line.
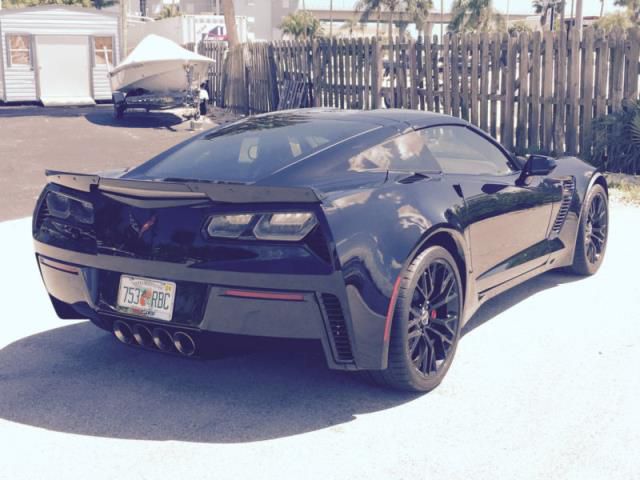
x=146, y=297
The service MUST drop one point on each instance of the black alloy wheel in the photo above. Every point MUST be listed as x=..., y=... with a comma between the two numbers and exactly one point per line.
x=426, y=323
x=593, y=232
x=433, y=317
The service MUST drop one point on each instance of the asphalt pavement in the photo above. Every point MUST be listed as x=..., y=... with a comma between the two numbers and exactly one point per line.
x=545, y=385
x=82, y=139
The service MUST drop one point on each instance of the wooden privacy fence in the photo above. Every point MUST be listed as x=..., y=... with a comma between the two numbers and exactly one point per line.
x=217, y=52
x=535, y=92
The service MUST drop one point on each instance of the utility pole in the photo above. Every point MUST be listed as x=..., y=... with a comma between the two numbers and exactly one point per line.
x=123, y=28
x=441, y=20
x=330, y=18
x=507, y=19
x=578, y=17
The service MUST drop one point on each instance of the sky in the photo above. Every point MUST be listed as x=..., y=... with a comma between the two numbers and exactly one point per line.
x=590, y=7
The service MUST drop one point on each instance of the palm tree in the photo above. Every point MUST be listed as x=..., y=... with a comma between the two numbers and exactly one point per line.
x=547, y=9
x=367, y=7
x=301, y=24
x=419, y=12
x=475, y=16
x=633, y=6
x=230, y=22
x=351, y=25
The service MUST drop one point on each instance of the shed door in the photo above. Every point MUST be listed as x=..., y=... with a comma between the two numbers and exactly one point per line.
x=64, y=70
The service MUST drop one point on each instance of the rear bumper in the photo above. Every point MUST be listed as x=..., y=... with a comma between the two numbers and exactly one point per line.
x=322, y=309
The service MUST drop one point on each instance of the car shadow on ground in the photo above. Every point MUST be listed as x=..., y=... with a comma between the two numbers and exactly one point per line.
x=511, y=297
x=79, y=379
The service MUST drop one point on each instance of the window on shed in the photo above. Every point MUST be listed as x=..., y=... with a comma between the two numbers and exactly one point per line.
x=103, y=50
x=19, y=49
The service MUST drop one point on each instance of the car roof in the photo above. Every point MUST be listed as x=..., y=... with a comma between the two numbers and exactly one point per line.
x=401, y=118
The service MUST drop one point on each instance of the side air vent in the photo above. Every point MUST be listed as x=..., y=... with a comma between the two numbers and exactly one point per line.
x=568, y=187
x=338, y=327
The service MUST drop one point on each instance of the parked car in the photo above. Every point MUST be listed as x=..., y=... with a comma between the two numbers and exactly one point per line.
x=377, y=233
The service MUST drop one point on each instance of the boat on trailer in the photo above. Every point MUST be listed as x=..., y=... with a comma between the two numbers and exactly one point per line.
x=158, y=75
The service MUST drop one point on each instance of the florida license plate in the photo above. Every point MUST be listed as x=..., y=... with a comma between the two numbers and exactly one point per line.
x=146, y=297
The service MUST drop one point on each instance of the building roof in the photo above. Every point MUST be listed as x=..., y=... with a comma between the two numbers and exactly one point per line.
x=67, y=8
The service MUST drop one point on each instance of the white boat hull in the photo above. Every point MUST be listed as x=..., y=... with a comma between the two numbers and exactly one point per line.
x=159, y=76
x=158, y=65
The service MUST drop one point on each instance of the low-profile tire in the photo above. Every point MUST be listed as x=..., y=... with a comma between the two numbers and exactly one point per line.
x=593, y=232
x=426, y=323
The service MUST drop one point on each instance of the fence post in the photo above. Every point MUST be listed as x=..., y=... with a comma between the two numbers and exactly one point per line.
x=316, y=82
x=413, y=75
x=376, y=74
x=573, y=85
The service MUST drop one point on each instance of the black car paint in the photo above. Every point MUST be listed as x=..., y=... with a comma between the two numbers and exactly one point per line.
x=372, y=224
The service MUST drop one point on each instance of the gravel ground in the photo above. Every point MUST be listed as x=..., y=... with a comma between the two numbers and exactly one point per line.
x=89, y=140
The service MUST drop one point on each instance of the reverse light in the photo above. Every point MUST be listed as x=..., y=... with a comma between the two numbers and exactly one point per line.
x=228, y=226
x=290, y=226
x=64, y=207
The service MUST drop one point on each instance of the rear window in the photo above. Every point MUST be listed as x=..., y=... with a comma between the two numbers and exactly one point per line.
x=250, y=150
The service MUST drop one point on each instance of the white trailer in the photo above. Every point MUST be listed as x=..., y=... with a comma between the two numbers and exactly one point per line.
x=58, y=55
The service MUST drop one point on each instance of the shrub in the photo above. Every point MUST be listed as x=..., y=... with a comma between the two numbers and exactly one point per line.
x=616, y=140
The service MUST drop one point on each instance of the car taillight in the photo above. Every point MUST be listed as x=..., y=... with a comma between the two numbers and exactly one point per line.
x=228, y=226
x=282, y=226
x=290, y=226
x=64, y=207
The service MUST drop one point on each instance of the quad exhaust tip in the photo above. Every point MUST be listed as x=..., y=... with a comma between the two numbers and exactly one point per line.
x=122, y=332
x=161, y=338
x=184, y=343
x=143, y=336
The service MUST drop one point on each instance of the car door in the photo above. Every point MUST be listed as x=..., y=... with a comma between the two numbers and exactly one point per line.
x=506, y=220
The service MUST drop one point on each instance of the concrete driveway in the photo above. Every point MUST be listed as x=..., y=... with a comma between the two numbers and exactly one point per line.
x=545, y=385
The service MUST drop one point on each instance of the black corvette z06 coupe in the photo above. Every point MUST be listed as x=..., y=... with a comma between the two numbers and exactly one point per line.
x=378, y=233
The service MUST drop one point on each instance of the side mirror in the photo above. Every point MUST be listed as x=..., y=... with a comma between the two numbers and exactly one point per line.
x=537, y=165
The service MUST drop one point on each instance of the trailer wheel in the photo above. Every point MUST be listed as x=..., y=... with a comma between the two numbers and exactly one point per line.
x=118, y=111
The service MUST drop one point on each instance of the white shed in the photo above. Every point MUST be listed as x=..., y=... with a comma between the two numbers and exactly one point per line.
x=57, y=54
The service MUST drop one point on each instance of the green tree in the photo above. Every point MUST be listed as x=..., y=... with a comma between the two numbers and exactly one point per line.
x=610, y=21
x=475, y=16
x=301, y=25
x=633, y=7
x=519, y=27
x=169, y=11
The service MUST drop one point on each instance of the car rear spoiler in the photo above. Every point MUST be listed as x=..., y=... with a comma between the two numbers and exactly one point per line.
x=218, y=192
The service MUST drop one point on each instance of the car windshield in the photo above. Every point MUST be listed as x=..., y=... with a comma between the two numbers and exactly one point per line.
x=249, y=150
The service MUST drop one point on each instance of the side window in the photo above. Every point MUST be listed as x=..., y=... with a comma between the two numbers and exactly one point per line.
x=407, y=152
x=460, y=150
x=19, y=49
x=103, y=50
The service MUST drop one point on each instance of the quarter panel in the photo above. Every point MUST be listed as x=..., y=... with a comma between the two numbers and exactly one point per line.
x=376, y=231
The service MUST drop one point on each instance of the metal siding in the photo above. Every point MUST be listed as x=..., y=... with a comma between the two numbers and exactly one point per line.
x=2, y=61
x=101, y=85
x=20, y=82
